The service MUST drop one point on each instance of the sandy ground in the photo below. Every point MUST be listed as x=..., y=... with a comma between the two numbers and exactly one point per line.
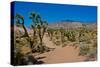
x=48, y=43
x=60, y=54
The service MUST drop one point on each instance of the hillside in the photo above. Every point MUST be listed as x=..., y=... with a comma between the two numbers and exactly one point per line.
x=72, y=25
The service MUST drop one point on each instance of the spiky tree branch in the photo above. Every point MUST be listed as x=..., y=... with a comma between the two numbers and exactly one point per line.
x=20, y=20
x=38, y=24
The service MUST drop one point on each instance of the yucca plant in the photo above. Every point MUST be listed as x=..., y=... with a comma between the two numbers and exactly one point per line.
x=39, y=27
x=20, y=20
x=38, y=24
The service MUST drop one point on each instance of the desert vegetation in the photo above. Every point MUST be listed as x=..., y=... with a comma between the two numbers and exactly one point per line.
x=30, y=43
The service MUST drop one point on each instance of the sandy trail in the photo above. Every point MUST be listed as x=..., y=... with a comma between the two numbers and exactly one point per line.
x=60, y=54
x=48, y=43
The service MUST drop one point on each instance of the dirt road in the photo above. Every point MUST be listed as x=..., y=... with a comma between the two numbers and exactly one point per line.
x=60, y=54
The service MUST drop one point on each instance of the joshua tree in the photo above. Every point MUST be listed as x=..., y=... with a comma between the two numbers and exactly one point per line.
x=20, y=21
x=38, y=24
x=62, y=34
x=70, y=35
x=50, y=33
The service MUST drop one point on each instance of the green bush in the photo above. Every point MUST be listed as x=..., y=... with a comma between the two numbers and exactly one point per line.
x=70, y=35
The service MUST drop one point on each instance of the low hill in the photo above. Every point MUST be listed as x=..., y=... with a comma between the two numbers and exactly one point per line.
x=72, y=25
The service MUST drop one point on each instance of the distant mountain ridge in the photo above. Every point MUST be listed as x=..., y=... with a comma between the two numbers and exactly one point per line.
x=70, y=24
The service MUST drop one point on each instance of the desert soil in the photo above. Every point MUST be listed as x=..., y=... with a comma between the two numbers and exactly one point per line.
x=60, y=54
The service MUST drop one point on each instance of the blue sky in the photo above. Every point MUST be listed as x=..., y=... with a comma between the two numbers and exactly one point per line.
x=54, y=12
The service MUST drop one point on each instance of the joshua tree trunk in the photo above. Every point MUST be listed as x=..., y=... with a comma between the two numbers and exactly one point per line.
x=34, y=33
x=62, y=35
x=44, y=30
x=34, y=36
x=41, y=40
x=26, y=33
x=40, y=36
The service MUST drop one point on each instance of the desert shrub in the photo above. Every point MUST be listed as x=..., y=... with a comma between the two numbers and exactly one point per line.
x=40, y=48
x=57, y=43
x=84, y=50
x=95, y=44
x=85, y=34
x=65, y=44
x=88, y=50
x=70, y=35
x=27, y=59
x=92, y=53
x=82, y=38
x=18, y=57
x=57, y=37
